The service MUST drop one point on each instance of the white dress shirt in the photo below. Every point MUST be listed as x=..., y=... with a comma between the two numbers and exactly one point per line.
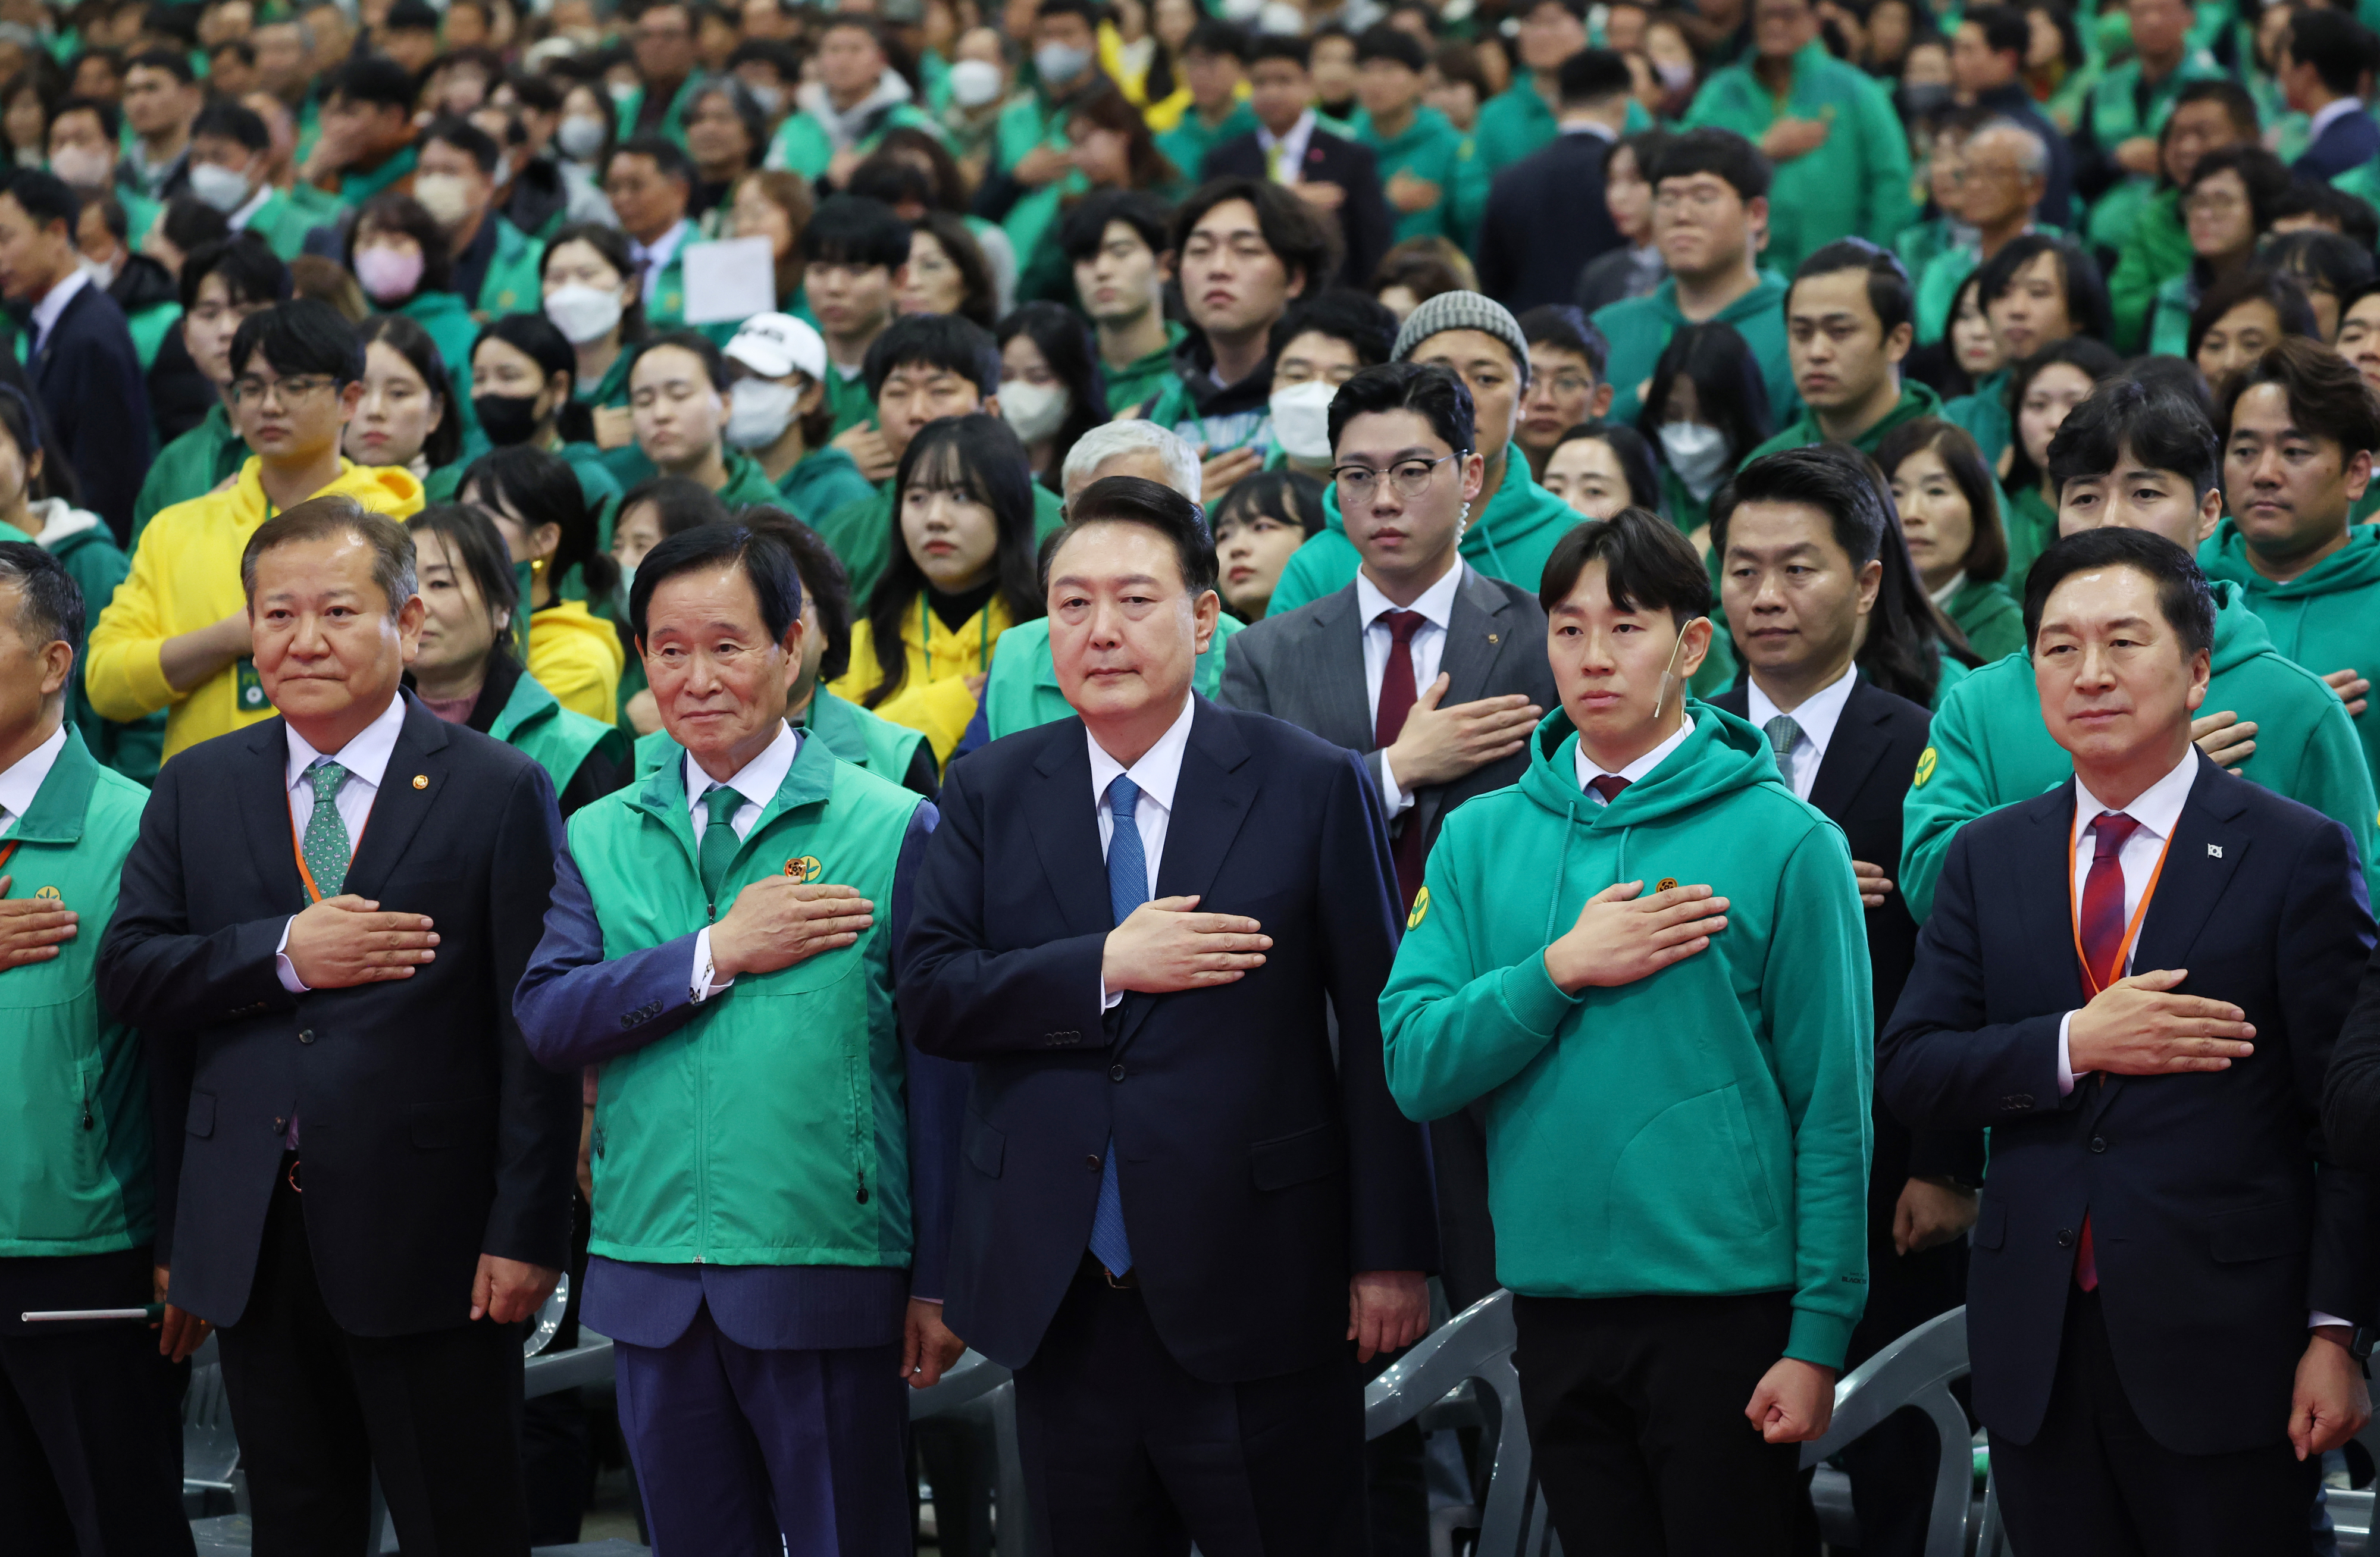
x=1817, y=715
x=2326, y=118
x=758, y=782
x=1156, y=775
x=1426, y=648
x=365, y=757
x=1292, y=162
x=46, y=311
x=240, y=219
x=656, y=256
x=1589, y=769
x=23, y=780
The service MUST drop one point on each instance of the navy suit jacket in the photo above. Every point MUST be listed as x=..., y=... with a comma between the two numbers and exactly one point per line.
x=1364, y=220
x=89, y=378
x=2346, y=144
x=2219, y=1217
x=1259, y=1174
x=1546, y=219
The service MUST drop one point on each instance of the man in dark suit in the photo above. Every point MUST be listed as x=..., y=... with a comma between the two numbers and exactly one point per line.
x=1435, y=672
x=1987, y=64
x=2136, y=980
x=1546, y=216
x=1331, y=173
x=1799, y=575
x=2324, y=58
x=320, y=930
x=83, y=364
x=1177, y=1207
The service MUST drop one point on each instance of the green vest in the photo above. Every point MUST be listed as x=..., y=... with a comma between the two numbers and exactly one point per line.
x=1020, y=691
x=723, y=1143
x=513, y=283
x=74, y=1162
x=673, y=123
x=148, y=327
x=534, y=724
x=855, y=735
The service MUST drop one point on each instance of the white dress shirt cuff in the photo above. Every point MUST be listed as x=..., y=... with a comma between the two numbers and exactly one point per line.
x=2317, y=1318
x=1109, y=1002
x=2065, y=1057
x=1392, y=794
x=284, y=968
x=705, y=982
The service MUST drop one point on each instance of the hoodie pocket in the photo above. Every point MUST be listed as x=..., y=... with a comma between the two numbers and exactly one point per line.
x=1688, y=1187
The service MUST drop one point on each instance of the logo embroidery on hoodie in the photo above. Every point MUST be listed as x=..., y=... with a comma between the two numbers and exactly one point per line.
x=1925, y=767
x=1420, y=910
x=804, y=869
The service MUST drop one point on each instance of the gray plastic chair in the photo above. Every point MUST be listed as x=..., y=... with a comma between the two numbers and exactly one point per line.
x=979, y=1391
x=1916, y=1370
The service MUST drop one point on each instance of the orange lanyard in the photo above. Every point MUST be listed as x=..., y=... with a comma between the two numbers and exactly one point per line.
x=7, y=851
x=2090, y=984
x=314, y=893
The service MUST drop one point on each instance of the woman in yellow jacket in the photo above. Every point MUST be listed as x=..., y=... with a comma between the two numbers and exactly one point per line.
x=542, y=512
x=963, y=572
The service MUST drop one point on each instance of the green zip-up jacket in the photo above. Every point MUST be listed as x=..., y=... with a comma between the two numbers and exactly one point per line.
x=673, y=123
x=2156, y=251
x=1430, y=149
x=191, y=466
x=804, y=146
x=1985, y=415
x=514, y=283
x=534, y=724
x=1135, y=383
x=2327, y=619
x=1187, y=143
x=83, y=547
x=1020, y=691
x=74, y=1159
x=596, y=483
x=2115, y=117
x=1702, y=1132
x=745, y=484
x=1854, y=185
x=1916, y=400
x=1638, y=328
x=855, y=735
x=861, y=534
x=283, y=223
x=723, y=1142
x=1510, y=539
x=1989, y=616
x=822, y=482
x=1990, y=748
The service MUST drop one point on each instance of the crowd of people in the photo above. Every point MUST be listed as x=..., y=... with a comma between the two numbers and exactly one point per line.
x=1315, y=659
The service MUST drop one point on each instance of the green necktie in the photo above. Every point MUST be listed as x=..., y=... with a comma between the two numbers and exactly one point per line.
x=326, y=847
x=1784, y=734
x=718, y=839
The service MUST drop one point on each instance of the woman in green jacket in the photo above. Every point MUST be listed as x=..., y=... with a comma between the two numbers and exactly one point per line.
x=1950, y=516
x=594, y=294
x=399, y=255
x=525, y=382
x=2043, y=388
x=1706, y=408
x=406, y=417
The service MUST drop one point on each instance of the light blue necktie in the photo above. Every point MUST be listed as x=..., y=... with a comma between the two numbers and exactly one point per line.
x=1127, y=889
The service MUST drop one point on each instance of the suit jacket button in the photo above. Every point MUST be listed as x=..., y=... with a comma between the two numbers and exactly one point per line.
x=281, y=1127
x=306, y=1037
x=1092, y=1163
x=1115, y=1072
x=2098, y=1143
x=2066, y=1237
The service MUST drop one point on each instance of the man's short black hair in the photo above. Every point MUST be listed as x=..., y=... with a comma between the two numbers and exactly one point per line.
x=175, y=65
x=1889, y=292
x=668, y=157
x=44, y=197
x=1345, y=314
x=714, y=362
x=1278, y=45
x=239, y=49
x=111, y=215
x=466, y=138
x=1593, y=76
x=188, y=222
x=1826, y=477
x=2086, y=289
x=2165, y=429
x=1438, y=394
x=934, y=340
x=1215, y=36
x=772, y=52
x=224, y=120
x=2327, y=399
x=1085, y=227
x=2005, y=29
x=849, y=230
x=2356, y=221
x=374, y=79
x=2255, y=283
x=110, y=116
x=1380, y=41
x=1305, y=243
x=303, y=335
x=2183, y=597
x=50, y=607
x=2340, y=48
x=1137, y=499
x=2236, y=100
x=766, y=560
x=1089, y=12
x=411, y=15
x=1650, y=565
x=251, y=271
x=1719, y=152
x=2330, y=261
x=1567, y=329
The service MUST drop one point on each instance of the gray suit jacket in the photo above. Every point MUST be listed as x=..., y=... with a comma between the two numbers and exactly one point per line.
x=1307, y=666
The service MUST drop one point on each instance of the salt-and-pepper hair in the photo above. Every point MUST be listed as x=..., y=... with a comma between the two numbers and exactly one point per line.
x=1102, y=444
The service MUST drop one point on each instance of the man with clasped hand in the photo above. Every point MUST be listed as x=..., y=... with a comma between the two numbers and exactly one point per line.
x=319, y=931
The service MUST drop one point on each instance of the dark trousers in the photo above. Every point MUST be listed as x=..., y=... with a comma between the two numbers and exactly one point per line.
x=1126, y=1454
x=1466, y=1237
x=2093, y=1483
x=1636, y=1425
x=1891, y=1466
x=90, y=1443
x=734, y=1445
x=319, y=1410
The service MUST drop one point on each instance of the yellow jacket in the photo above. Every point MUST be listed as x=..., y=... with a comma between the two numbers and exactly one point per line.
x=576, y=655
x=933, y=698
x=185, y=576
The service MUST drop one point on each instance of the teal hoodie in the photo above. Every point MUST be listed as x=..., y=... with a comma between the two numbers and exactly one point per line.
x=1702, y=1132
x=2327, y=618
x=1510, y=540
x=1639, y=328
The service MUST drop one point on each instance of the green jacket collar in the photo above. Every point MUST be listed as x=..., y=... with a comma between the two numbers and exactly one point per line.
x=1767, y=296
x=1916, y=400
x=2355, y=565
x=807, y=783
x=528, y=703
x=836, y=724
x=56, y=814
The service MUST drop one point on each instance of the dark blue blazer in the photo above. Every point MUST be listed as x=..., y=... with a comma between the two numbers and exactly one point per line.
x=2218, y=1215
x=1546, y=219
x=1258, y=1174
x=2346, y=144
x=428, y=1135
x=90, y=381
x=1366, y=222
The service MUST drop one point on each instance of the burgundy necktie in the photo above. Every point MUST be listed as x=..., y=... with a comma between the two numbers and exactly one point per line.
x=2101, y=930
x=1609, y=786
x=1397, y=695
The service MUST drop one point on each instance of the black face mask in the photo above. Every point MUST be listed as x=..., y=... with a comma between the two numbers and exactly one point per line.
x=506, y=419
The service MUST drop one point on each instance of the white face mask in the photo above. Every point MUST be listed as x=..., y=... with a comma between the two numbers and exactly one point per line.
x=1300, y=420
x=1242, y=10
x=975, y=83
x=1281, y=19
x=580, y=137
x=1033, y=410
x=1058, y=64
x=1698, y=454
x=766, y=97
x=759, y=412
x=445, y=195
x=1676, y=75
x=583, y=313
x=85, y=167
x=219, y=187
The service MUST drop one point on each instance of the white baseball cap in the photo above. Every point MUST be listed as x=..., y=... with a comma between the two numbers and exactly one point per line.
x=773, y=344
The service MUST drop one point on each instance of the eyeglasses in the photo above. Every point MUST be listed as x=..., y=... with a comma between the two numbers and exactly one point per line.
x=1410, y=478
x=252, y=391
x=1702, y=202
x=2223, y=204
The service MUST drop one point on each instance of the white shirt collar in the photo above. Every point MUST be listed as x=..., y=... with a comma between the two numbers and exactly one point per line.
x=364, y=756
x=24, y=778
x=1589, y=769
x=1942, y=596
x=1436, y=604
x=1595, y=127
x=2326, y=118
x=1817, y=715
x=46, y=311
x=1293, y=145
x=759, y=780
x=2157, y=808
x=1157, y=773
x=657, y=255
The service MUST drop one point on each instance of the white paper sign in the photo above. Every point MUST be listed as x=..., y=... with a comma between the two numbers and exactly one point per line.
x=729, y=281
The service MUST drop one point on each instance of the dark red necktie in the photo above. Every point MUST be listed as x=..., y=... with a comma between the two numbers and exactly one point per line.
x=1397, y=695
x=1609, y=786
x=2100, y=928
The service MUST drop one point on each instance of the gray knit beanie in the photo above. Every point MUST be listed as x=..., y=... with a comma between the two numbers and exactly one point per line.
x=1463, y=310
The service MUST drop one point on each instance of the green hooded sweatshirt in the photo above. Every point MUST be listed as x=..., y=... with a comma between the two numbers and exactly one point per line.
x=1508, y=540
x=2327, y=618
x=1702, y=1132
x=861, y=534
x=1989, y=614
x=1990, y=748
x=1916, y=400
x=1638, y=328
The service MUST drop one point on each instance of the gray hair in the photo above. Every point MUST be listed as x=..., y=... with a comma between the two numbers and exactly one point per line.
x=1102, y=444
x=326, y=517
x=2032, y=156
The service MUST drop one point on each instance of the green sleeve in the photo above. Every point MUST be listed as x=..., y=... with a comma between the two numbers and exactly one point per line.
x=1886, y=169
x=1818, y=1010
x=1952, y=787
x=2132, y=288
x=1312, y=572
x=2334, y=778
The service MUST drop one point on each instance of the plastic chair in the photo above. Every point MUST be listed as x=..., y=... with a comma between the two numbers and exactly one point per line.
x=978, y=1391
x=549, y=1317
x=1915, y=1370
x=210, y=1479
